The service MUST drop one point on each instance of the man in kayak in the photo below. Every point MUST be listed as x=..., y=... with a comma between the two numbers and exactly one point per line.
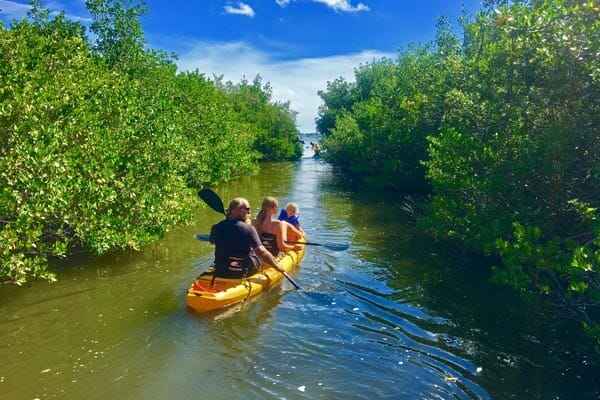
x=238, y=249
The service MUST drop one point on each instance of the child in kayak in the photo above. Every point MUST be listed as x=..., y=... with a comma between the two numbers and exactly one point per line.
x=290, y=215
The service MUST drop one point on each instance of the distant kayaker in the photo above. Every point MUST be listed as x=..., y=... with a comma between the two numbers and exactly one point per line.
x=273, y=232
x=238, y=248
x=290, y=214
x=315, y=147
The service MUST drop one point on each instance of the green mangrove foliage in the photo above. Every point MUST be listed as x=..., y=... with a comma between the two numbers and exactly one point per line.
x=377, y=128
x=120, y=39
x=275, y=132
x=506, y=129
x=101, y=146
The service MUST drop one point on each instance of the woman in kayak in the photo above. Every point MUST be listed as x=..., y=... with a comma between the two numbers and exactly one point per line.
x=274, y=233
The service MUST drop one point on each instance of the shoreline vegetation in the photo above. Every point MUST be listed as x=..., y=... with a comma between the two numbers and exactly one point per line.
x=103, y=144
x=500, y=129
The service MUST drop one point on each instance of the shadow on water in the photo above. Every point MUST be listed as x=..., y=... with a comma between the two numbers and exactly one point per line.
x=524, y=350
x=396, y=316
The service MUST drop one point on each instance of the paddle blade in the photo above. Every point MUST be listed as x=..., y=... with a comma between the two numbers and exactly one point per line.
x=336, y=246
x=204, y=238
x=212, y=199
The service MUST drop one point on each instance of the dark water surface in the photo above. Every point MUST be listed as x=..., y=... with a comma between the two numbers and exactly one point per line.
x=394, y=317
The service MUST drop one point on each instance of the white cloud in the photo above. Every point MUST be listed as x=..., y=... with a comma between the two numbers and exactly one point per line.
x=343, y=5
x=337, y=5
x=13, y=10
x=242, y=9
x=297, y=81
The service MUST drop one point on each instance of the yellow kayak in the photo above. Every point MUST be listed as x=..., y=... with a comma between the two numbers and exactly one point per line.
x=206, y=295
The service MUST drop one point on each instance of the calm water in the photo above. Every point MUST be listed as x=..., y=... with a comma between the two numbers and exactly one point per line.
x=394, y=317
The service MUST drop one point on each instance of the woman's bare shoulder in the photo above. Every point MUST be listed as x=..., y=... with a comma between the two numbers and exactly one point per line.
x=277, y=223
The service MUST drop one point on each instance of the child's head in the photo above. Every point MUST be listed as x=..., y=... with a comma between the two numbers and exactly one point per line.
x=291, y=209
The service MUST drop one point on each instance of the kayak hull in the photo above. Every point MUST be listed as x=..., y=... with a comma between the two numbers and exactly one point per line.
x=206, y=294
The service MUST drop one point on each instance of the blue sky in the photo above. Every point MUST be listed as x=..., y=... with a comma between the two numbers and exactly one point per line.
x=295, y=45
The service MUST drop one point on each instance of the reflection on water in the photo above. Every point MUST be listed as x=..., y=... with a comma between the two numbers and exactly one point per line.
x=393, y=317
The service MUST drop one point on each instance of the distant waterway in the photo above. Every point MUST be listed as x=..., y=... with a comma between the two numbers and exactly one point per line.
x=396, y=316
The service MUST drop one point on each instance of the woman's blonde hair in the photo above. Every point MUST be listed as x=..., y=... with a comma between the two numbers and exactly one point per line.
x=268, y=202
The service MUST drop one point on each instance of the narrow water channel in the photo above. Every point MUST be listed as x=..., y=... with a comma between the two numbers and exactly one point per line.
x=393, y=317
